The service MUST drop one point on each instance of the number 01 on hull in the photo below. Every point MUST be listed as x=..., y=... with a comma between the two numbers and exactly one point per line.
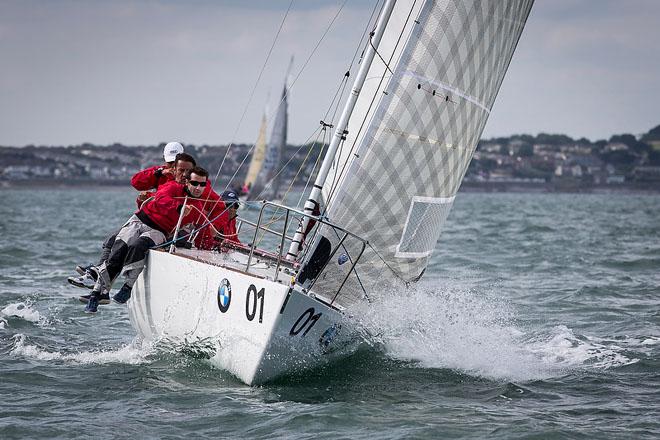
x=263, y=328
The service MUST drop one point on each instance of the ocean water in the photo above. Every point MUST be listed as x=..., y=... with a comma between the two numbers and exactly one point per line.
x=538, y=317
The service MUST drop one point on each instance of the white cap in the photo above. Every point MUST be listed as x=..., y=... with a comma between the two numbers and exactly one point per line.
x=171, y=150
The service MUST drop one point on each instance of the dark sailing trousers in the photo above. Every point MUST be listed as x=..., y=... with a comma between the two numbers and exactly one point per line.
x=128, y=253
x=107, y=247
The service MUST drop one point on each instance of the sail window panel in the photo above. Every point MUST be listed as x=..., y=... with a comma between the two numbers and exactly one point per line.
x=422, y=229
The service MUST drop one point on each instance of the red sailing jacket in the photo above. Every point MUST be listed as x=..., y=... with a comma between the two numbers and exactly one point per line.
x=147, y=180
x=163, y=211
x=215, y=210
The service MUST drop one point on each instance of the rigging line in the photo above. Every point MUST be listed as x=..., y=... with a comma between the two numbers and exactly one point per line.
x=312, y=171
x=344, y=81
x=336, y=176
x=218, y=216
x=342, y=87
x=309, y=179
x=334, y=114
x=318, y=43
x=267, y=186
x=269, y=183
x=290, y=87
x=336, y=103
x=347, y=74
x=302, y=165
x=251, y=149
x=339, y=92
x=373, y=99
x=354, y=269
x=254, y=88
x=396, y=275
x=365, y=32
x=341, y=146
x=253, y=146
x=387, y=66
x=186, y=236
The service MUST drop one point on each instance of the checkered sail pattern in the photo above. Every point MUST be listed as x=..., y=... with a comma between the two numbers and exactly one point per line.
x=276, y=143
x=401, y=180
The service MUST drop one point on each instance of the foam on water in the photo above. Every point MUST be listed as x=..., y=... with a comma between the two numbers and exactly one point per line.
x=446, y=326
x=134, y=353
x=23, y=311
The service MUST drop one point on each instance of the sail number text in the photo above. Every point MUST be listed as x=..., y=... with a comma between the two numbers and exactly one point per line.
x=253, y=297
x=306, y=321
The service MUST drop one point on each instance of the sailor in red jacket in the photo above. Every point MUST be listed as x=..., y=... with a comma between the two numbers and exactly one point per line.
x=147, y=228
x=182, y=164
x=222, y=215
x=148, y=180
x=229, y=233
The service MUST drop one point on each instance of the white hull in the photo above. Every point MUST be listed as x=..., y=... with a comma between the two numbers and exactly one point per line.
x=265, y=330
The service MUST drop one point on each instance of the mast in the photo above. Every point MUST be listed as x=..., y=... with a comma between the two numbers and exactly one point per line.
x=340, y=132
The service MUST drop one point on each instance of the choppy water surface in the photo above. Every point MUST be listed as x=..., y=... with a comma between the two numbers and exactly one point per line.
x=537, y=318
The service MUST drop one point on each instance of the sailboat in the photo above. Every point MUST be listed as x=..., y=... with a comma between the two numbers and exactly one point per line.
x=263, y=179
x=424, y=90
x=258, y=155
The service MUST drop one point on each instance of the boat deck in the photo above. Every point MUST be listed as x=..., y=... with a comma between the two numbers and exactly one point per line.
x=262, y=265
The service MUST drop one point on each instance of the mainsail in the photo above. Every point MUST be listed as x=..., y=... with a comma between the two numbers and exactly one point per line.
x=267, y=181
x=415, y=128
x=258, y=154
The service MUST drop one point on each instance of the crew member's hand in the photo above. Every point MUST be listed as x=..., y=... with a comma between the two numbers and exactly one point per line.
x=144, y=195
x=187, y=210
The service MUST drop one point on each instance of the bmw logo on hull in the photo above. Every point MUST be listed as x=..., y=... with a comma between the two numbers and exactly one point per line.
x=224, y=295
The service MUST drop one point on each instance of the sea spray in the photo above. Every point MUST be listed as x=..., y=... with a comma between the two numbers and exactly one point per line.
x=134, y=353
x=442, y=325
x=21, y=310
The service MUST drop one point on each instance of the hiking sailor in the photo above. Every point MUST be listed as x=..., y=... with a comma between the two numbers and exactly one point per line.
x=146, y=181
x=183, y=163
x=145, y=229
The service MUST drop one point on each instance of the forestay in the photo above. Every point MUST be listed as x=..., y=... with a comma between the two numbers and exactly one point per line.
x=395, y=180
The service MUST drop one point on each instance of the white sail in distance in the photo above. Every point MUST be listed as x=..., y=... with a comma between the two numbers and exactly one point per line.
x=395, y=180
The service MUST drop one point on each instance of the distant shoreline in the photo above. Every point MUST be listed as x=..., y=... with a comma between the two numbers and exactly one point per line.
x=560, y=187
x=466, y=187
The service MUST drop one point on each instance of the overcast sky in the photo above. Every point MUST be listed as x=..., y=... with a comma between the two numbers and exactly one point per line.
x=143, y=72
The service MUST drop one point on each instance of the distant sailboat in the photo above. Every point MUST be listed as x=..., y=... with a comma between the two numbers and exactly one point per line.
x=266, y=183
x=407, y=134
x=258, y=155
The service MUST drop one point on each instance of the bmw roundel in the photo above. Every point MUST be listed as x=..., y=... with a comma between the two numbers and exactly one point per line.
x=224, y=295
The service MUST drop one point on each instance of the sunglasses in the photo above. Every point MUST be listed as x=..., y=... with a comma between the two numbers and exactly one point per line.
x=196, y=183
